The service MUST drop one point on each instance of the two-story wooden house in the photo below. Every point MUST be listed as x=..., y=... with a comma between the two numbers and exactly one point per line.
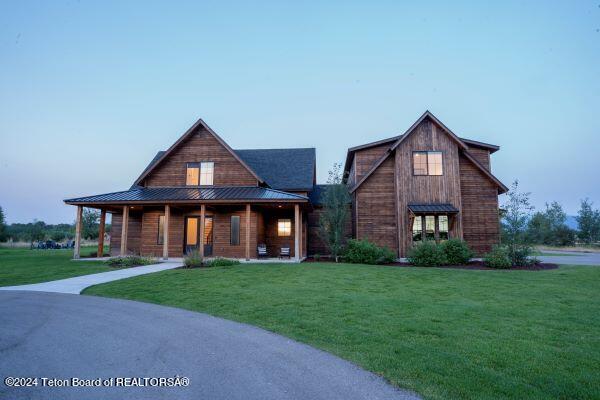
x=202, y=195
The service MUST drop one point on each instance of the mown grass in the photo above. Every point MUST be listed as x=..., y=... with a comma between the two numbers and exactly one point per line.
x=447, y=334
x=22, y=266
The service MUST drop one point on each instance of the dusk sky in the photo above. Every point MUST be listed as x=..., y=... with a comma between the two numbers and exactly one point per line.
x=90, y=91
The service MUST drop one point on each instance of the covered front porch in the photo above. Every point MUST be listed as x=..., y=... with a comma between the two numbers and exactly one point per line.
x=229, y=227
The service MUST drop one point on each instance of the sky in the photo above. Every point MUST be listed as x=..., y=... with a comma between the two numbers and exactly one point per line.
x=90, y=91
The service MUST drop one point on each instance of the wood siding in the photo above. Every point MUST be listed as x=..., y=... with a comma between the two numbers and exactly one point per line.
x=365, y=159
x=375, y=207
x=427, y=136
x=133, y=237
x=201, y=146
x=481, y=227
x=481, y=155
x=150, y=246
x=222, y=233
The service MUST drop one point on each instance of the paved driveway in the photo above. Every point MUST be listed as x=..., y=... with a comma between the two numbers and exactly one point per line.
x=62, y=336
x=77, y=284
x=577, y=258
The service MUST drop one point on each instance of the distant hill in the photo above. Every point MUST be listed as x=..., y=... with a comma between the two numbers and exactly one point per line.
x=572, y=222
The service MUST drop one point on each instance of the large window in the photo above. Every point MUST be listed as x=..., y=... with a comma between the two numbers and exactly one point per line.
x=284, y=227
x=161, y=229
x=424, y=227
x=200, y=174
x=427, y=163
x=235, y=230
x=207, y=170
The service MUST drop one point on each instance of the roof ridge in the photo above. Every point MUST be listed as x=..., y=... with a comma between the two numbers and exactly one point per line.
x=279, y=148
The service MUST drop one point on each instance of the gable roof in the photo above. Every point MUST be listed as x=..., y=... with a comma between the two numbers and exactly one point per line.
x=199, y=124
x=492, y=148
x=283, y=169
x=399, y=139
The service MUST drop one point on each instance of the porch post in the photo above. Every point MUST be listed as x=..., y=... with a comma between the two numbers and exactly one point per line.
x=201, y=244
x=124, y=229
x=297, y=232
x=247, y=232
x=77, y=232
x=101, y=228
x=301, y=246
x=166, y=232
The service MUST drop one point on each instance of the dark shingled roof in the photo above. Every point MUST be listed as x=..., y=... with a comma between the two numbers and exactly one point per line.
x=283, y=169
x=432, y=208
x=183, y=194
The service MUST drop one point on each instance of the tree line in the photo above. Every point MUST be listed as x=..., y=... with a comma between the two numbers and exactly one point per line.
x=40, y=231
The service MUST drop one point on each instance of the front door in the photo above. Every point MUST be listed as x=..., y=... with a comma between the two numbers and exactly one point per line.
x=208, y=236
x=192, y=235
x=192, y=232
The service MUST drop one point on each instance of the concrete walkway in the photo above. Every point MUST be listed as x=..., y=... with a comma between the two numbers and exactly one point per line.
x=77, y=284
x=61, y=336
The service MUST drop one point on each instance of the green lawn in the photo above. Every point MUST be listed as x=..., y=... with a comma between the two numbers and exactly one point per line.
x=22, y=266
x=444, y=333
x=542, y=253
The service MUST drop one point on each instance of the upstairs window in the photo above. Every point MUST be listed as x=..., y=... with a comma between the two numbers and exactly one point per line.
x=192, y=174
x=427, y=163
x=199, y=174
x=284, y=227
x=207, y=170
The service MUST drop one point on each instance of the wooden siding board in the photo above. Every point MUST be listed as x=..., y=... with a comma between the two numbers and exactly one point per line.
x=481, y=224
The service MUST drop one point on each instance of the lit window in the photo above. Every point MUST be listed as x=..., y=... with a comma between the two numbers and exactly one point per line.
x=427, y=163
x=420, y=162
x=284, y=227
x=161, y=229
x=192, y=174
x=443, y=227
x=206, y=173
x=434, y=162
x=417, y=229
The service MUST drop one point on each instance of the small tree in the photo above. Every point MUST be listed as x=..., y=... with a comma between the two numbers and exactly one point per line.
x=334, y=217
x=514, y=224
x=588, y=220
x=2, y=226
x=549, y=227
x=89, y=222
x=35, y=232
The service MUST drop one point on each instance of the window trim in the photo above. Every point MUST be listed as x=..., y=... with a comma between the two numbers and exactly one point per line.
x=279, y=233
x=436, y=227
x=200, y=173
x=426, y=152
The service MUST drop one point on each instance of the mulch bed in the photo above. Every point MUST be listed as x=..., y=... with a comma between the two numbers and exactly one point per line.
x=477, y=265
x=480, y=265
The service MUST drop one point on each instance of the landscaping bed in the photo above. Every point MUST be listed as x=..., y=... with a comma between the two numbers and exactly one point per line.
x=480, y=265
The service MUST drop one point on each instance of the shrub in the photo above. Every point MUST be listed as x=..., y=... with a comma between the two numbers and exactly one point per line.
x=130, y=261
x=365, y=252
x=457, y=252
x=426, y=254
x=222, y=262
x=194, y=259
x=498, y=258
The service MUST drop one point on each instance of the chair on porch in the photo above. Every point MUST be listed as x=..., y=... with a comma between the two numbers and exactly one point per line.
x=284, y=252
x=262, y=250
